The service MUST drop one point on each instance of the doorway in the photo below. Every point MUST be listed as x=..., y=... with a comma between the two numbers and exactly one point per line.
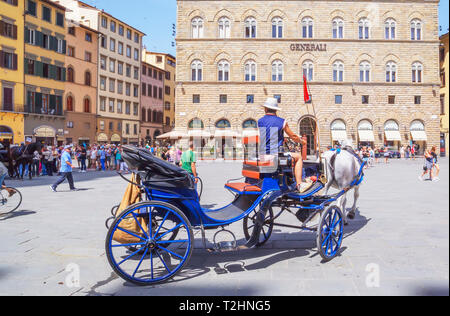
x=308, y=128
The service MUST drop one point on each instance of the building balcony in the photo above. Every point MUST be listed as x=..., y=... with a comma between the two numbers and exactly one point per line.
x=30, y=109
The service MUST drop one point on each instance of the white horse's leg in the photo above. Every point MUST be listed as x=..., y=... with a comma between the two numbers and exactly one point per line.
x=342, y=201
x=352, y=213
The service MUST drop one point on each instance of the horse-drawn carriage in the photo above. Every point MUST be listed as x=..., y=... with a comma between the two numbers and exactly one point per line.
x=152, y=240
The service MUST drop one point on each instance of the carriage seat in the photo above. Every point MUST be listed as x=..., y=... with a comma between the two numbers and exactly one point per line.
x=243, y=188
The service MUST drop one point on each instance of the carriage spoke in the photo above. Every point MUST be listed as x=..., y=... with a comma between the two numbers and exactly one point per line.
x=151, y=264
x=150, y=222
x=169, y=231
x=139, y=224
x=171, y=252
x=163, y=262
x=171, y=241
x=157, y=231
x=130, y=256
x=130, y=233
x=128, y=245
x=140, y=262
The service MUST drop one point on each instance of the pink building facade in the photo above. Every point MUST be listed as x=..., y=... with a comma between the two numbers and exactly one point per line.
x=152, y=103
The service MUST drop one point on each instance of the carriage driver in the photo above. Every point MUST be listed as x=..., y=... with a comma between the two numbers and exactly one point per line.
x=272, y=129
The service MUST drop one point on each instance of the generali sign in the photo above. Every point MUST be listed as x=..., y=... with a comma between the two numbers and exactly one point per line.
x=311, y=47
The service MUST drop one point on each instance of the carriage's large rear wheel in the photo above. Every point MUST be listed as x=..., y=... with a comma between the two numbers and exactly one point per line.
x=330, y=233
x=149, y=253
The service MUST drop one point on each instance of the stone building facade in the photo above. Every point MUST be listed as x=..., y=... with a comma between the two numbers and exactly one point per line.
x=371, y=67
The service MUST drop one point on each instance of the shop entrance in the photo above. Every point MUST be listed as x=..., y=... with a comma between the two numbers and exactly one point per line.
x=308, y=128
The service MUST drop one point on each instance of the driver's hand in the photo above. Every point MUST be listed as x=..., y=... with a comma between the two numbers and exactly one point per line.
x=196, y=180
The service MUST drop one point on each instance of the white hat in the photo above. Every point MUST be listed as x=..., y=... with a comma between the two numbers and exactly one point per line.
x=28, y=140
x=272, y=103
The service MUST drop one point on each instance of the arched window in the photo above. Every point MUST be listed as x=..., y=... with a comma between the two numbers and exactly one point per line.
x=224, y=70
x=277, y=70
x=223, y=124
x=364, y=71
x=391, y=72
x=250, y=123
x=364, y=28
x=307, y=27
x=277, y=27
x=224, y=27
x=416, y=30
x=417, y=126
x=389, y=29
x=391, y=125
x=69, y=103
x=87, y=78
x=70, y=75
x=338, y=71
x=87, y=105
x=417, y=71
x=250, y=71
x=338, y=125
x=196, y=124
x=197, y=27
x=250, y=27
x=365, y=125
x=197, y=70
x=308, y=70
x=338, y=28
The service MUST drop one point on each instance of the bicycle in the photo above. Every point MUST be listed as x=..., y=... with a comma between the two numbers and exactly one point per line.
x=9, y=202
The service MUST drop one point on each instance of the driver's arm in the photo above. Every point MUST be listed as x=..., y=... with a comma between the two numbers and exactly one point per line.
x=294, y=136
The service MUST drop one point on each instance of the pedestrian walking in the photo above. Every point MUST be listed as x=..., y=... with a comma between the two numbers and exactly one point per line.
x=83, y=156
x=65, y=170
x=428, y=166
x=435, y=163
x=188, y=162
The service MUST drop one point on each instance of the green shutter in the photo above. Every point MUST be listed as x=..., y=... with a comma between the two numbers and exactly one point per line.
x=40, y=69
x=64, y=74
x=27, y=35
x=64, y=47
x=39, y=38
x=25, y=66
x=38, y=103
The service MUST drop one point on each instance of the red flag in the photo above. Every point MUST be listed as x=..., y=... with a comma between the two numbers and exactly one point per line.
x=308, y=98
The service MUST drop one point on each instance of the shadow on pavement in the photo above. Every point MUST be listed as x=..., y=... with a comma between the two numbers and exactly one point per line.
x=16, y=214
x=433, y=291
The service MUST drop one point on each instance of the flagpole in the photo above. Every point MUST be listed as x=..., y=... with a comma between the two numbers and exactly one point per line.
x=317, y=135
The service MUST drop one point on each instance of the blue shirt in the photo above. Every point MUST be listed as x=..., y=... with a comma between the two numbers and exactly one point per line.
x=102, y=154
x=65, y=157
x=271, y=131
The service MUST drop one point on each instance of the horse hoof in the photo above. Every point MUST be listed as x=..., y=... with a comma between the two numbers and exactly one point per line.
x=351, y=215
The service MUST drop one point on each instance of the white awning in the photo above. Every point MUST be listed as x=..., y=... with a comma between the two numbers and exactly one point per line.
x=115, y=138
x=172, y=135
x=250, y=132
x=225, y=133
x=102, y=137
x=339, y=135
x=419, y=135
x=366, y=136
x=393, y=136
x=199, y=133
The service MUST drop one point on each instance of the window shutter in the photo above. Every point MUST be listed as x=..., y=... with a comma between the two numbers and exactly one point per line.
x=27, y=35
x=2, y=27
x=39, y=38
x=15, y=31
x=14, y=61
x=64, y=47
x=52, y=70
x=38, y=99
x=40, y=68
x=52, y=101
x=64, y=74
x=1, y=59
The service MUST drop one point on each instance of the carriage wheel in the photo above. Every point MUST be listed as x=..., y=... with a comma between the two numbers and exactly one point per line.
x=267, y=229
x=330, y=233
x=153, y=253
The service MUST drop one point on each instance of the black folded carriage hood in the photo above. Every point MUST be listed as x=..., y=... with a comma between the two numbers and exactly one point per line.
x=157, y=172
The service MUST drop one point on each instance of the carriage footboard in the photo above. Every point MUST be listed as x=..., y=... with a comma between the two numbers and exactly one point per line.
x=240, y=205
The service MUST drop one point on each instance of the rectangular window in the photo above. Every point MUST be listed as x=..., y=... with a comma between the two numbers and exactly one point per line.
x=30, y=36
x=119, y=106
x=103, y=104
x=135, y=109
x=103, y=42
x=417, y=99
x=196, y=98
x=128, y=108
x=46, y=14
x=120, y=48
x=278, y=97
x=442, y=99
x=121, y=31
x=88, y=37
x=391, y=99
x=128, y=51
x=167, y=90
x=149, y=89
x=104, y=22
x=59, y=19
x=102, y=83
x=112, y=65
x=250, y=98
x=136, y=91
x=129, y=71
x=160, y=94
x=112, y=85
x=7, y=102
x=338, y=99
x=129, y=34
x=136, y=54
x=103, y=62
x=113, y=26
x=31, y=8
x=128, y=89
x=223, y=98
x=136, y=38
x=111, y=105
x=144, y=89
x=71, y=51
x=8, y=30
x=72, y=30
x=88, y=56
x=365, y=99
x=120, y=68
x=119, y=87
x=136, y=73
x=112, y=45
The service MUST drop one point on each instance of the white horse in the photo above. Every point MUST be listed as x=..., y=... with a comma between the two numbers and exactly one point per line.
x=341, y=170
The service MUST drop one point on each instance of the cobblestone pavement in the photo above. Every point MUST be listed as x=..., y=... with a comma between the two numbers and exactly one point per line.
x=401, y=230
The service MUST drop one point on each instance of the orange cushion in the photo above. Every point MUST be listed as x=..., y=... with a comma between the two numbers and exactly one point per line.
x=243, y=187
x=251, y=174
x=258, y=163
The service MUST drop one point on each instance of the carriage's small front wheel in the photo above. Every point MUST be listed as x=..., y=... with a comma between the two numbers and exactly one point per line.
x=330, y=233
x=10, y=200
x=141, y=247
x=249, y=224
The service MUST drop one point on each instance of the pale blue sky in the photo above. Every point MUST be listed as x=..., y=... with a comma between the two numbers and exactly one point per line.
x=155, y=18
